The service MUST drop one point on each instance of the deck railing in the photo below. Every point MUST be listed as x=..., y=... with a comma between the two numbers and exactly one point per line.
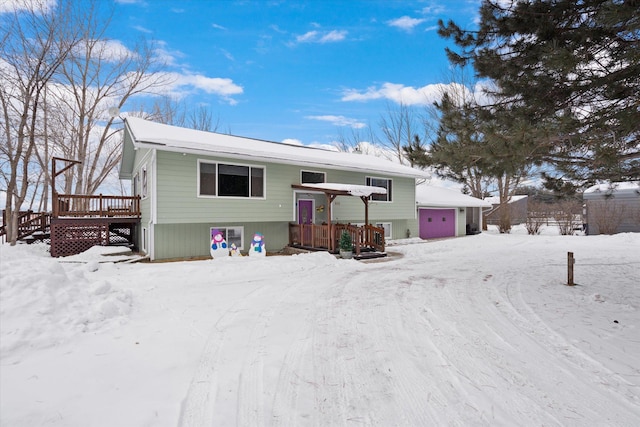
x=99, y=205
x=317, y=236
x=29, y=222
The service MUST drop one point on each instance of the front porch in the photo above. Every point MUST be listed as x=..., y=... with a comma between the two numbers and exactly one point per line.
x=368, y=240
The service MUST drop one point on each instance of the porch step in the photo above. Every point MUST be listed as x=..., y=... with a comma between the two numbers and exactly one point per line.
x=370, y=255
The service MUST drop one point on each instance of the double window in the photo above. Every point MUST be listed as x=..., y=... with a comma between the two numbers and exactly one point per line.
x=384, y=183
x=232, y=235
x=227, y=180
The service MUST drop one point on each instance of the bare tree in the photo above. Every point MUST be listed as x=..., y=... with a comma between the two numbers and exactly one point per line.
x=399, y=126
x=167, y=110
x=353, y=141
x=36, y=40
x=98, y=74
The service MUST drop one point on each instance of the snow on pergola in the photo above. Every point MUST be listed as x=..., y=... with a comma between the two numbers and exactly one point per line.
x=344, y=189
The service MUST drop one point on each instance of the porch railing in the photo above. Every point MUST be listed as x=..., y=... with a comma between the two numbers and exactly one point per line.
x=317, y=236
x=99, y=205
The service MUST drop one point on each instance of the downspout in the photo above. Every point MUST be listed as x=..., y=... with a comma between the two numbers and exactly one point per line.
x=154, y=206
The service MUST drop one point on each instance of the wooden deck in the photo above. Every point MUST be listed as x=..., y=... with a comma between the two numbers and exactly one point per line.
x=81, y=221
x=325, y=237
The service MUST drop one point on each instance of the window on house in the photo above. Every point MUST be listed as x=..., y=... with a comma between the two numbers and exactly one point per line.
x=234, y=180
x=387, y=229
x=233, y=234
x=380, y=182
x=207, y=179
x=225, y=180
x=144, y=182
x=257, y=182
x=144, y=239
x=310, y=177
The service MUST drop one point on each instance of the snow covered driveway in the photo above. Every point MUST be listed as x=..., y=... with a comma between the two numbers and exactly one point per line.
x=469, y=331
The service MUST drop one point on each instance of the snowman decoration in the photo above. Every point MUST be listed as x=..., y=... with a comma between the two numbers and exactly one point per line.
x=257, y=245
x=219, y=247
x=234, y=250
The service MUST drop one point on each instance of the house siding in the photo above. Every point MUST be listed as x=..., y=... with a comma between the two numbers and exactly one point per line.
x=193, y=240
x=178, y=201
x=183, y=219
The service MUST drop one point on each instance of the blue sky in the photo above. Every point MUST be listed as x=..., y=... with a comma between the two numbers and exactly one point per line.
x=297, y=70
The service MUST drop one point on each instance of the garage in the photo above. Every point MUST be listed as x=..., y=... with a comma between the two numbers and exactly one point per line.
x=434, y=223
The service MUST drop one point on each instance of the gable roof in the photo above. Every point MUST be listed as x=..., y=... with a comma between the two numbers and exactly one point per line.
x=427, y=195
x=140, y=133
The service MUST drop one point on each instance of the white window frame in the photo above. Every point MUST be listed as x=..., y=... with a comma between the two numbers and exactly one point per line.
x=225, y=231
x=310, y=171
x=389, y=197
x=217, y=195
x=144, y=238
x=144, y=186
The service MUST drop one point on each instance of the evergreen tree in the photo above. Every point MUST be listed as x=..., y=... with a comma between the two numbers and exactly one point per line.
x=567, y=72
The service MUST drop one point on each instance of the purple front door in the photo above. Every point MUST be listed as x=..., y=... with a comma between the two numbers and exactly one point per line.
x=436, y=223
x=305, y=211
x=305, y=216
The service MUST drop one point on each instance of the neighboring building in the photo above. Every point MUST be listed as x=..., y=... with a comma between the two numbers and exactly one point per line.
x=192, y=181
x=443, y=212
x=612, y=208
x=518, y=206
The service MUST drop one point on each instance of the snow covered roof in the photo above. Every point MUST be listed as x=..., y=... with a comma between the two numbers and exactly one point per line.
x=613, y=189
x=427, y=195
x=353, y=190
x=146, y=134
x=495, y=200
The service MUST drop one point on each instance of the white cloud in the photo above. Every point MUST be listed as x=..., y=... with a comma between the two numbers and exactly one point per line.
x=424, y=95
x=307, y=37
x=294, y=141
x=396, y=92
x=322, y=37
x=113, y=50
x=219, y=27
x=41, y=6
x=433, y=9
x=333, y=36
x=405, y=23
x=142, y=29
x=339, y=121
x=165, y=55
x=185, y=83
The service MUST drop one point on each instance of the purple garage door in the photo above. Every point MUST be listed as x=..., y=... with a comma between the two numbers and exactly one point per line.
x=436, y=223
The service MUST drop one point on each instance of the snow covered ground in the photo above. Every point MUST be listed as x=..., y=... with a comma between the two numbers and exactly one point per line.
x=479, y=330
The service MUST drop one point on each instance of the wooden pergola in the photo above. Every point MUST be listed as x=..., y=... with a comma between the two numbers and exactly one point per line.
x=332, y=190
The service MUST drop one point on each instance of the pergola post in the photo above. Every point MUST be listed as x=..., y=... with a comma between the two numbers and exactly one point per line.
x=365, y=200
x=330, y=199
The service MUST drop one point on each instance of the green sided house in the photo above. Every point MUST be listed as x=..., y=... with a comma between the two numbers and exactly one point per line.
x=191, y=182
